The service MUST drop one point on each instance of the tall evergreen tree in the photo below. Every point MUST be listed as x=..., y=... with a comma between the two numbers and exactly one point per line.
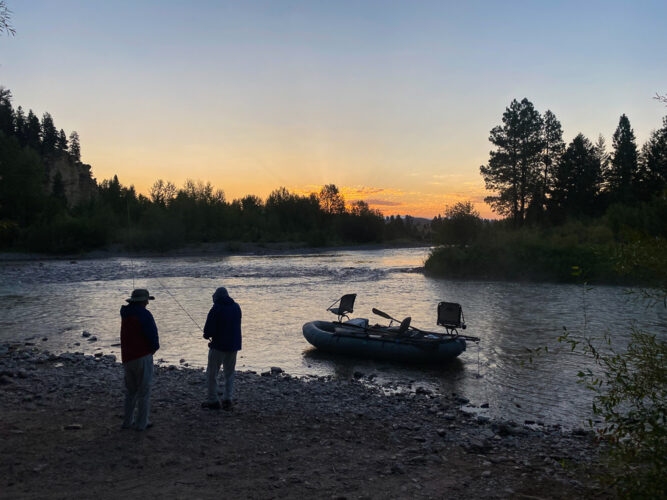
x=74, y=146
x=61, y=144
x=6, y=112
x=553, y=148
x=49, y=135
x=578, y=178
x=514, y=169
x=552, y=135
x=20, y=124
x=33, y=132
x=622, y=174
x=652, y=177
x=602, y=200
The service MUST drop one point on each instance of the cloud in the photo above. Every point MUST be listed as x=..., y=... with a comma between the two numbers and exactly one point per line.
x=390, y=201
x=384, y=203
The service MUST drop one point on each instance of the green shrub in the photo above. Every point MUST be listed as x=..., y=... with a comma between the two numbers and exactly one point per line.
x=631, y=399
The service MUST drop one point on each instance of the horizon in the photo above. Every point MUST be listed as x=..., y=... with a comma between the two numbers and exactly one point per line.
x=394, y=105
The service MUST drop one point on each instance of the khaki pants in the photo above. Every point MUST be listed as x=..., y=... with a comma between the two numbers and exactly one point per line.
x=138, y=377
x=228, y=361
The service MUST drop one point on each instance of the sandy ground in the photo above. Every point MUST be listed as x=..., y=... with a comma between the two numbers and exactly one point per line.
x=60, y=435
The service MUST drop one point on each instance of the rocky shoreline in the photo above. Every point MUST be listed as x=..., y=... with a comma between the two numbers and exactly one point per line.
x=287, y=437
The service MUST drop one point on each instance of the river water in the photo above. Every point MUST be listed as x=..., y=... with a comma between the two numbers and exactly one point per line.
x=58, y=300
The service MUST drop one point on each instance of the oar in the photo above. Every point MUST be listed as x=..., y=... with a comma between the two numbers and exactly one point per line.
x=385, y=315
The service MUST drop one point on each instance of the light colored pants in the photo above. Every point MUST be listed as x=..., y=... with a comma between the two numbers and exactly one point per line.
x=228, y=361
x=138, y=377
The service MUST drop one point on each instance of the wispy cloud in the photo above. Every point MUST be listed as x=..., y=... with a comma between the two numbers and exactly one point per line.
x=391, y=201
x=383, y=203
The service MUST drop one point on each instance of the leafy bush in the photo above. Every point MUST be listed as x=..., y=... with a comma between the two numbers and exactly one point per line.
x=631, y=399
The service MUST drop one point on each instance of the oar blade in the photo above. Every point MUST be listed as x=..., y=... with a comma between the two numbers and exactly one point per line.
x=380, y=313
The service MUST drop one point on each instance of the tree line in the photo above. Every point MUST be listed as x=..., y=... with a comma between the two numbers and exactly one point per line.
x=35, y=213
x=572, y=212
x=536, y=178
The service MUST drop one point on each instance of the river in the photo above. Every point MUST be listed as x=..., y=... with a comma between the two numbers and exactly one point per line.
x=58, y=300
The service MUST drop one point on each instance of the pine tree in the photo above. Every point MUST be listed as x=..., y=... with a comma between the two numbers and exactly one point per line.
x=552, y=135
x=61, y=144
x=74, y=147
x=20, y=124
x=622, y=175
x=49, y=135
x=578, y=178
x=514, y=169
x=33, y=132
x=6, y=112
x=652, y=176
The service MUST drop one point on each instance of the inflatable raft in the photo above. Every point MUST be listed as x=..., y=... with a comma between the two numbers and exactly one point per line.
x=381, y=342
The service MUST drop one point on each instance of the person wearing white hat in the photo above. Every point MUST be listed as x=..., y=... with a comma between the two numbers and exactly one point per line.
x=138, y=342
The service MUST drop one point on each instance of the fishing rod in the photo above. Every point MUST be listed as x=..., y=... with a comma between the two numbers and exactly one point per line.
x=179, y=304
x=157, y=278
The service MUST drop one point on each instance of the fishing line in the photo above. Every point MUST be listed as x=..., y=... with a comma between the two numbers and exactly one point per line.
x=157, y=278
x=129, y=237
x=179, y=305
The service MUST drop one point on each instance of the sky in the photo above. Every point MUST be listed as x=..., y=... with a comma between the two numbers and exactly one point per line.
x=392, y=101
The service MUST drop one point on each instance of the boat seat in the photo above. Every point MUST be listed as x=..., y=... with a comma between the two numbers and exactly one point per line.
x=345, y=305
x=405, y=324
x=399, y=331
x=450, y=315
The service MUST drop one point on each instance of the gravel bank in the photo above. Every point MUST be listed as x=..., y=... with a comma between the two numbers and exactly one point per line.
x=286, y=438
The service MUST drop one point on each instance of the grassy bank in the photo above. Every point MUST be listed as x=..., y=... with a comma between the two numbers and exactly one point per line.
x=566, y=254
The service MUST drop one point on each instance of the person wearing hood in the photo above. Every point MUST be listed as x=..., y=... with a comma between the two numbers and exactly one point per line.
x=223, y=331
x=138, y=342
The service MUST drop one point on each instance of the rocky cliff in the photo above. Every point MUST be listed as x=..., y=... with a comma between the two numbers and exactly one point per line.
x=77, y=180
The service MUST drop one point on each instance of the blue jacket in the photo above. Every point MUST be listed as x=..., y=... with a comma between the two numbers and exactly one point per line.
x=138, y=333
x=223, y=325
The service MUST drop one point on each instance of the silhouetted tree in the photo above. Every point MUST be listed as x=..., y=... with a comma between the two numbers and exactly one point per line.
x=621, y=177
x=460, y=226
x=331, y=201
x=362, y=224
x=513, y=171
x=6, y=112
x=652, y=175
x=61, y=144
x=162, y=193
x=49, y=135
x=74, y=146
x=577, y=182
x=22, y=194
x=552, y=135
x=33, y=132
x=5, y=19
x=20, y=126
